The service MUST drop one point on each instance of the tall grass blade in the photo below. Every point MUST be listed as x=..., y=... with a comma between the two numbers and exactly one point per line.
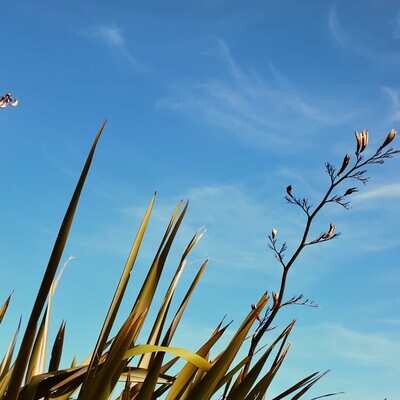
x=147, y=291
x=151, y=379
x=102, y=384
x=56, y=351
x=29, y=335
x=296, y=386
x=162, y=313
x=207, y=386
x=240, y=391
x=308, y=387
x=193, y=358
x=5, y=363
x=4, y=307
x=120, y=291
x=326, y=395
x=187, y=373
x=34, y=360
x=259, y=390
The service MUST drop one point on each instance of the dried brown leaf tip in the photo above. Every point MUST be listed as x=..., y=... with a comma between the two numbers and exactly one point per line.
x=345, y=163
x=362, y=141
x=389, y=138
x=8, y=100
x=253, y=307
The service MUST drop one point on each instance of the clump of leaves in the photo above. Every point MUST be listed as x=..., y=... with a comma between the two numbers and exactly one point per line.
x=142, y=368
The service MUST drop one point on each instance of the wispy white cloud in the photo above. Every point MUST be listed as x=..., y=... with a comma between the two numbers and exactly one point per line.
x=336, y=29
x=113, y=37
x=361, y=348
x=267, y=111
x=388, y=191
x=390, y=321
x=396, y=29
x=394, y=98
x=347, y=40
x=236, y=224
x=382, y=244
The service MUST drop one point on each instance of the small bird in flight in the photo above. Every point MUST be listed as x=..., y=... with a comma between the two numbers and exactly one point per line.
x=8, y=100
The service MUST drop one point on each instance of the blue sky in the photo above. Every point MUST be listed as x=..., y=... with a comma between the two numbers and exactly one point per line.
x=224, y=104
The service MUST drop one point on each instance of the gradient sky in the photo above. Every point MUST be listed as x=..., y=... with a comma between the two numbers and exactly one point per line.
x=222, y=103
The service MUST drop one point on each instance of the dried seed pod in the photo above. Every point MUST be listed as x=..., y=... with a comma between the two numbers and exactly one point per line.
x=350, y=191
x=289, y=191
x=362, y=141
x=365, y=140
x=345, y=163
x=331, y=232
x=358, y=141
x=275, y=299
x=389, y=138
x=274, y=232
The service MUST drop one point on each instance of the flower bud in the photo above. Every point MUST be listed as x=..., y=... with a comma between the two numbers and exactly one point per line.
x=345, y=163
x=389, y=138
x=358, y=141
x=365, y=139
x=362, y=141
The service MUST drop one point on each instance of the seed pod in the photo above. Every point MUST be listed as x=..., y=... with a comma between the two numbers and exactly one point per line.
x=345, y=163
x=330, y=233
x=274, y=232
x=362, y=141
x=365, y=138
x=364, y=134
x=289, y=191
x=389, y=138
x=358, y=141
x=275, y=299
x=350, y=191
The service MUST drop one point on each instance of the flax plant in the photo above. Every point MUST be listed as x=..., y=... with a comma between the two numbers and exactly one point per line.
x=145, y=364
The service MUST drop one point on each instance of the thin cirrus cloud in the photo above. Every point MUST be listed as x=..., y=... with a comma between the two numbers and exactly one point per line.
x=388, y=191
x=261, y=110
x=113, y=37
x=345, y=39
x=396, y=30
x=231, y=242
x=394, y=98
x=367, y=349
